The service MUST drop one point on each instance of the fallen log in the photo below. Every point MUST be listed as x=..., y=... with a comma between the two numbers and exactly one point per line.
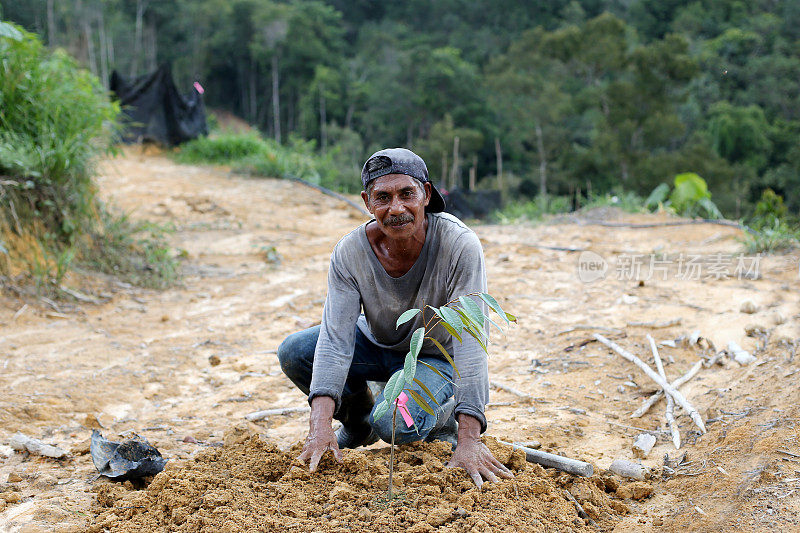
x=551, y=460
x=698, y=420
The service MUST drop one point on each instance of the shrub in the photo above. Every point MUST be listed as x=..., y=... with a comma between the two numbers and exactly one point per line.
x=55, y=121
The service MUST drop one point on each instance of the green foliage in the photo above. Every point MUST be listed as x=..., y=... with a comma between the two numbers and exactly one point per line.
x=55, y=120
x=600, y=96
x=690, y=197
x=251, y=153
x=769, y=238
x=462, y=314
x=135, y=252
x=532, y=210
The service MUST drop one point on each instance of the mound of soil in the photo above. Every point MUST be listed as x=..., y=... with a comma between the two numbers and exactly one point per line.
x=248, y=484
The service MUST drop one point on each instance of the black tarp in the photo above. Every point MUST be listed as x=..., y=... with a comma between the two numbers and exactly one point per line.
x=472, y=204
x=155, y=111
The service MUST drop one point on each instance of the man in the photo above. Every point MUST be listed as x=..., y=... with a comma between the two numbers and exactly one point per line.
x=411, y=255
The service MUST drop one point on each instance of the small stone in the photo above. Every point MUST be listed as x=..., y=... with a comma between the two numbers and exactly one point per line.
x=627, y=469
x=754, y=330
x=189, y=439
x=6, y=451
x=91, y=422
x=643, y=444
x=13, y=477
x=164, y=318
x=3, y=505
x=459, y=512
x=12, y=497
x=778, y=318
x=214, y=360
x=741, y=356
x=748, y=307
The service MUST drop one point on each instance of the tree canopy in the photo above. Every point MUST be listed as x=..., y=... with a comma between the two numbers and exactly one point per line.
x=596, y=95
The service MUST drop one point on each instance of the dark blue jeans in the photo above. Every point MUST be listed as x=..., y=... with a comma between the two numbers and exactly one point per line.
x=371, y=363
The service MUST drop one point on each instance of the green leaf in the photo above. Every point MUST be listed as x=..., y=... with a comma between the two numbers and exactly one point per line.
x=380, y=410
x=437, y=371
x=417, y=338
x=472, y=309
x=470, y=324
x=421, y=402
x=409, y=368
x=425, y=388
x=451, y=317
x=394, y=386
x=405, y=317
x=451, y=331
x=493, y=305
x=446, y=355
x=511, y=317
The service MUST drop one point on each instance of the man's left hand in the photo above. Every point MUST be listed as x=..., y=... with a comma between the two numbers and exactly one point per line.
x=473, y=456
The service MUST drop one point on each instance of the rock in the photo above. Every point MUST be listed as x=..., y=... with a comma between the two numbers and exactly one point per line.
x=741, y=356
x=627, y=469
x=22, y=442
x=214, y=360
x=643, y=444
x=12, y=497
x=778, y=318
x=6, y=451
x=754, y=330
x=3, y=504
x=748, y=306
x=189, y=439
x=13, y=477
x=45, y=480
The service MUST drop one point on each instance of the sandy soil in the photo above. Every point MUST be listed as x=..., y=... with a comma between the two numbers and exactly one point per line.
x=191, y=361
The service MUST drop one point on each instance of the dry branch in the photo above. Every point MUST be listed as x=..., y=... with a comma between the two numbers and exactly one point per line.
x=578, y=508
x=261, y=415
x=678, y=383
x=673, y=426
x=658, y=379
x=656, y=325
x=565, y=464
x=506, y=388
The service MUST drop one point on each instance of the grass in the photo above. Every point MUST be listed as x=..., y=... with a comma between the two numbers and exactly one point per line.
x=56, y=120
x=252, y=154
x=778, y=237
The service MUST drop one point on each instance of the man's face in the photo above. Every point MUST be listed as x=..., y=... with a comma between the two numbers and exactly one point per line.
x=398, y=203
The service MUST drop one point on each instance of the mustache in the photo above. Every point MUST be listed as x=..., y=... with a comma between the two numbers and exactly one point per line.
x=397, y=220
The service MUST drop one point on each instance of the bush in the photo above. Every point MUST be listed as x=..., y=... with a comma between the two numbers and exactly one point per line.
x=55, y=121
x=252, y=154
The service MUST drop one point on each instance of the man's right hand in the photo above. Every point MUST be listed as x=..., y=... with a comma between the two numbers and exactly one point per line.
x=320, y=433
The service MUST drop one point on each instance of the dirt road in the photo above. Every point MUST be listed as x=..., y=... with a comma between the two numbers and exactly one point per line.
x=191, y=361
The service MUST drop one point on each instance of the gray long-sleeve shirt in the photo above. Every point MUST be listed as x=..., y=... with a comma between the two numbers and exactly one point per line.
x=450, y=265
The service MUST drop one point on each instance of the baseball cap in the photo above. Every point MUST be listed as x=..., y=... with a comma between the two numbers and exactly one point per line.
x=401, y=161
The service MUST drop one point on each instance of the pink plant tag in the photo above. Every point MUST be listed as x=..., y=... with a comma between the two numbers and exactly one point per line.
x=199, y=87
x=401, y=404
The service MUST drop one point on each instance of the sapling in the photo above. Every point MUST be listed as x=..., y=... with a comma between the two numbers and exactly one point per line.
x=460, y=317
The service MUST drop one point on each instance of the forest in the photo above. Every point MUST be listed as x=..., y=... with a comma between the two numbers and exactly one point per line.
x=560, y=98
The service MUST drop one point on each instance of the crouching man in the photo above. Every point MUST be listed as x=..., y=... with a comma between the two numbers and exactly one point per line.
x=411, y=255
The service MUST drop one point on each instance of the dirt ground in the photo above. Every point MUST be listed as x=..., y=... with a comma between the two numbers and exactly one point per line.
x=183, y=366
